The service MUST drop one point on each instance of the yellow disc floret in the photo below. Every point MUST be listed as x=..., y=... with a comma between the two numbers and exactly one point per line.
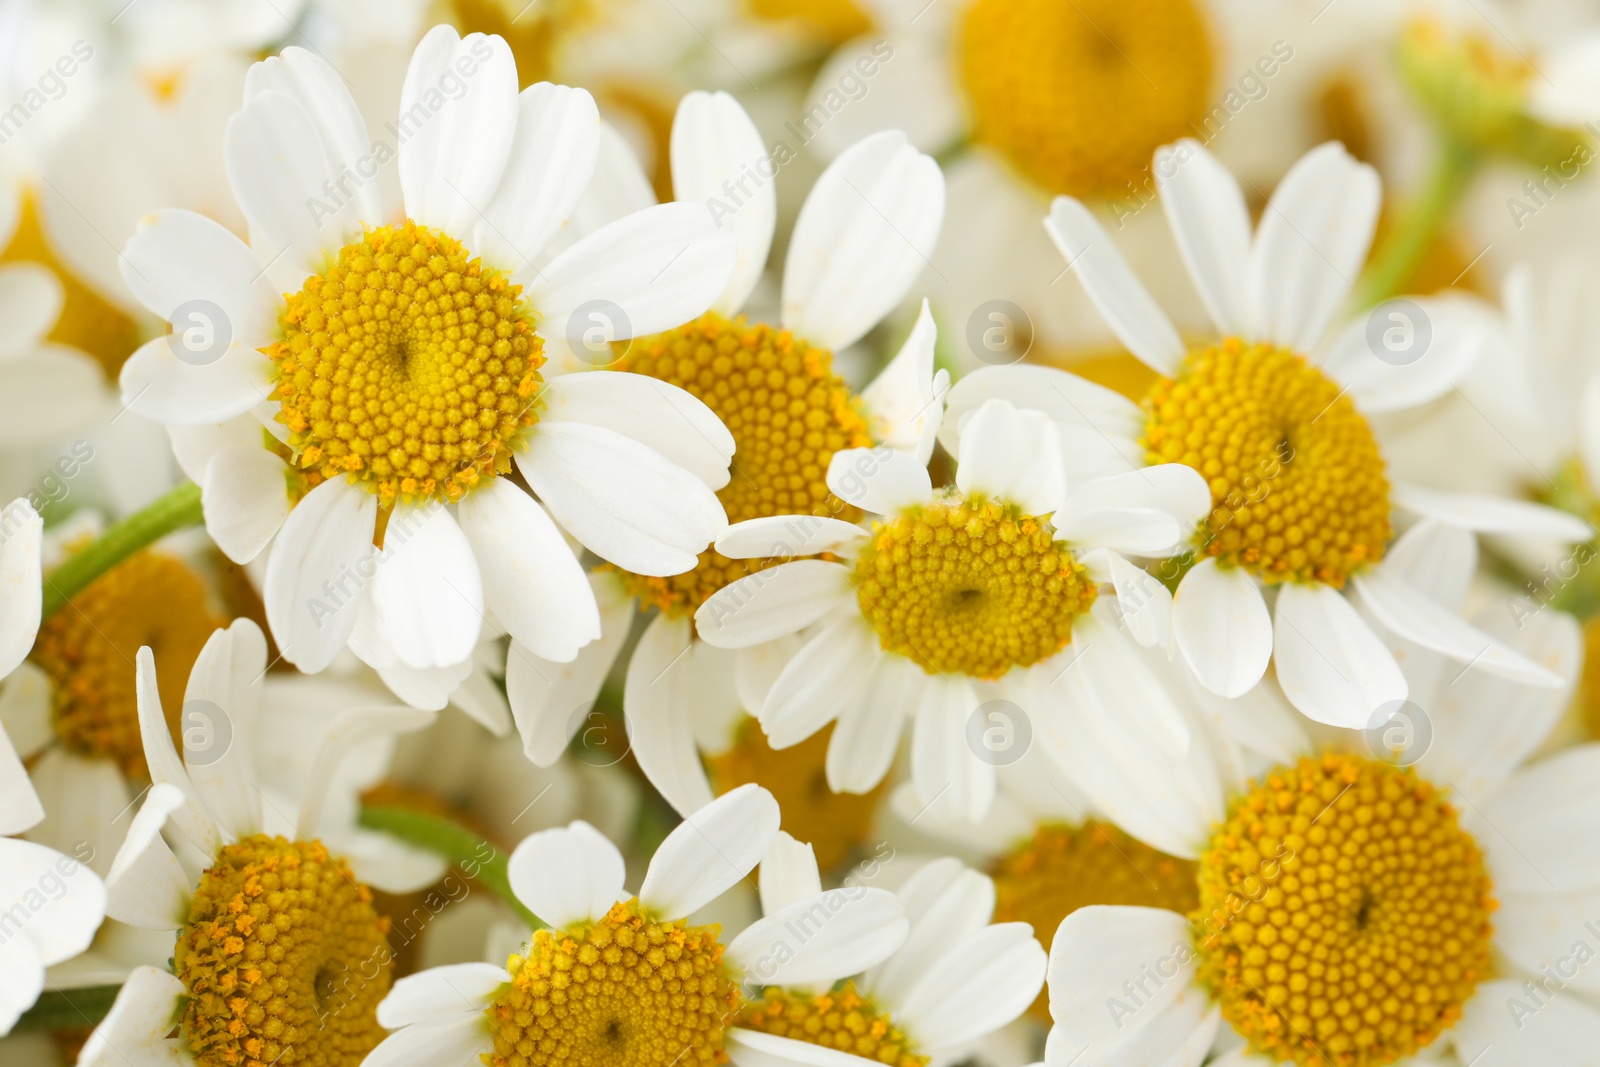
x=1344, y=914
x=1063, y=868
x=408, y=366
x=788, y=413
x=843, y=1020
x=834, y=824
x=1298, y=485
x=831, y=21
x=970, y=586
x=628, y=989
x=1078, y=95
x=88, y=647
x=284, y=959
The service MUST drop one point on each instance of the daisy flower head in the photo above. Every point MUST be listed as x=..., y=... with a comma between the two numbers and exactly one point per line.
x=861, y=240
x=616, y=977
x=1368, y=904
x=391, y=361
x=278, y=951
x=945, y=597
x=959, y=977
x=53, y=903
x=1275, y=415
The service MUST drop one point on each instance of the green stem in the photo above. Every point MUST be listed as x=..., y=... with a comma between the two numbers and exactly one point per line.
x=476, y=857
x=68, y=1009
x=176, y=510
x=1402, y=251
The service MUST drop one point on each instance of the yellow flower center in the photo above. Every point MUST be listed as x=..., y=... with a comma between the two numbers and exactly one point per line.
x=970, y=586
x=88, y=647
x=284, y=957
x=788, y=413
x=1078, y=96
x=1344, y=913
x=408, y=366
x=627, y=989
x=1064, y=868
x=1298, y=485
x=830, y=21
x=843, y=1020
x=834, y=824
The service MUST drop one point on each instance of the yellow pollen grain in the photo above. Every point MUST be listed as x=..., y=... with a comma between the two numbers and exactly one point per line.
x=284, y=959
x=627, y=989
x=1344, y=914
x=1077, y=96
x=407, y=366
x=1299, y=490
x=843, y=1020
x=1063, y=868
x=834, y=824
x=788, y=413
x=87, y=650
x=970, y=586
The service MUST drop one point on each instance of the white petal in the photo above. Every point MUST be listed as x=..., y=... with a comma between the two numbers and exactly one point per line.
x=21, y=538
x=22, y=978
x=531, y=580
x=863, y=236
x=658, y=696
x=619, y=187
x=135, y=1031
x=1097, y=948
x=981, y=984
x=61, y=900
x=1487, y=514
x=146, y=886
x=1223, y=628
x=1504, y=1026
x=821, y=681
x=1143, y=602
x=710, y=852
x=949, y=775
x=345, y=733
x=752, y=1048
x=772, y=603
x=323, y=544
x=717, y=148
x=192, y=819
x=423, y=688
x=945, y=902
x=457, y=144
x=30, y=302
x=158, y=385
x=867, y=736
x=1329, y=662
x=904, y=401
x=1423, y=348
x=1206, y=210
x=880, y=480
x=20, y=808
x=1116, y=293
x=552, y=158
x=784, y=536
x=655, y=413
x=177, y=256
x=568, y=875
x=1436, y=558
x=426, y=594
x=218, y=725
x=647, y=272
x=1540, y=826
x=1172, y=489
x=757, y=667
x=622, y=500
x=788, y=874
x=1312, y=241
x=440, y=992
x=1014, y=456
x=820, y=939
x=246, y=500
x=459, y=1039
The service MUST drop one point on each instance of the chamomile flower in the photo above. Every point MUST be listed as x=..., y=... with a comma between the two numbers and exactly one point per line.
x=53, y=904
x=959, y=977
x=1362, y=906
x=272, y=927
x=1275, y=416
x=624, y=978
x=393, y=362
x=858, y=245
x=947, y=596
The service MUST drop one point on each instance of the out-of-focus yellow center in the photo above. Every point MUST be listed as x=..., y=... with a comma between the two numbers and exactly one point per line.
x=1344, y=913
x=284, y=959
x=970, y=586
x=408, y=366
x=1298, y=484
x=829, y=21
x=88, y=648
x=842, y=1019
x=1078, y=96
x=1063, y=868
x=628, y=989
x=788, y=413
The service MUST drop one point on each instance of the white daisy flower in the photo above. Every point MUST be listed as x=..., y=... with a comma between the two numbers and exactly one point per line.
x=398, y=532
x=1445, y=880
x=922, y=615
x=21, y=581
x=268, y=915
x=958, y=978
x=1275, y=416
x=671, y=991
x=52, y=903
x=859, y=244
